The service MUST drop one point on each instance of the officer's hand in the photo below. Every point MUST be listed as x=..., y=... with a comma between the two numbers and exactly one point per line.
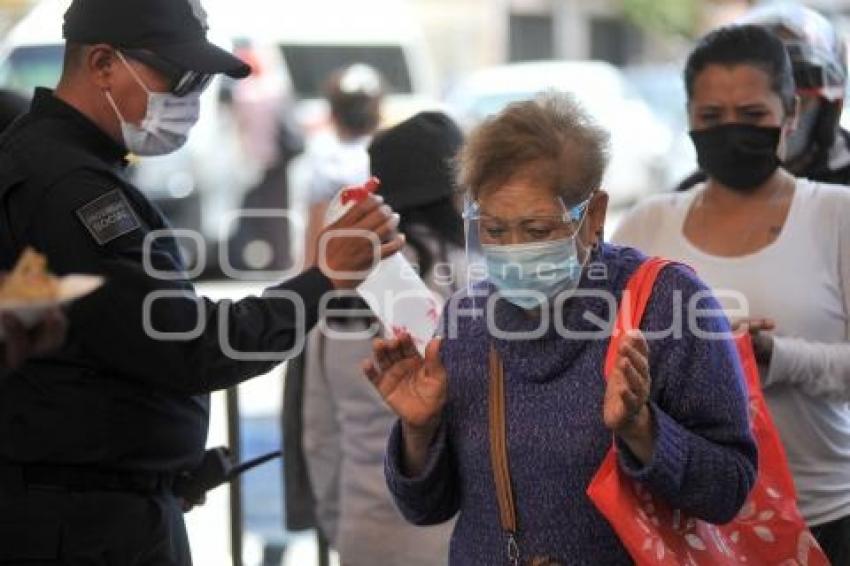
x=21, y=343
x=349, y=248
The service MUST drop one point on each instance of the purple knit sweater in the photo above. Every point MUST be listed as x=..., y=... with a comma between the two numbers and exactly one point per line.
x=704, y=459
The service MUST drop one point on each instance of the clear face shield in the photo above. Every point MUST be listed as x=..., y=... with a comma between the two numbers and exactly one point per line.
x=816, y=73
x=535, y=253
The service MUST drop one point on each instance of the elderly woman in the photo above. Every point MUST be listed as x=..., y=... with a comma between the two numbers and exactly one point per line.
x=675, y=404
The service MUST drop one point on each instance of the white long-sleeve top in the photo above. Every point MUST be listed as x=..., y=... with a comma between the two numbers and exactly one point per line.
x=802, y=282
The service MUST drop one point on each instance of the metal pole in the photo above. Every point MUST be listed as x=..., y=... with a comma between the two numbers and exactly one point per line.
x=235, y=445
x=324, y=548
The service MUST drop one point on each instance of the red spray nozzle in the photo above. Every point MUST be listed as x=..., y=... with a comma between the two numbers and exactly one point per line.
x=357, y=194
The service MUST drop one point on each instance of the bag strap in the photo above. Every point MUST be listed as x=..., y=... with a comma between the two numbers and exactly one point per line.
x=499, y=453
x=498, y=443
x=633, y=305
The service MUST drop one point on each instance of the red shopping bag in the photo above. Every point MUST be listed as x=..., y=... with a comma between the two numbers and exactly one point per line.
x=768, y=530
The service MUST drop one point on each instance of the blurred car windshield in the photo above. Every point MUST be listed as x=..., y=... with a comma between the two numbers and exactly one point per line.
x=310, y=65
x=597, y=86
x=30, y=66
x=664, y=90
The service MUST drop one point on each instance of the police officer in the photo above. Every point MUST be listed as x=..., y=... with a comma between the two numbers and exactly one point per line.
x=818, y=149
x=92, y=436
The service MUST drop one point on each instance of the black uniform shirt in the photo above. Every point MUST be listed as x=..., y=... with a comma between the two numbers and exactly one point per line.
x=114, y=396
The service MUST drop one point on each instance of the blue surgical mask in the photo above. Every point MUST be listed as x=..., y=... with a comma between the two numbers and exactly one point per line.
x=547, y=268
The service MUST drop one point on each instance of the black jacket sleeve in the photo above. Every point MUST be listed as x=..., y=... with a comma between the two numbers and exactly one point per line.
x=144, y=326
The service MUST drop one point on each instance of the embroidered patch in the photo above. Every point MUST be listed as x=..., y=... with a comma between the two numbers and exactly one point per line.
x=108, y=217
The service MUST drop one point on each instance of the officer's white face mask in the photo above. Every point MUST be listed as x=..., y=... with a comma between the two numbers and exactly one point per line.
x=167, y=122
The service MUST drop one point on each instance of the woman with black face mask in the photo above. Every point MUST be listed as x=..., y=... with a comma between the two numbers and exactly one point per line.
x=776, y=250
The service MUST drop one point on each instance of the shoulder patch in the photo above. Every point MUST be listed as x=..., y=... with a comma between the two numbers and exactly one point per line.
x=108, y=217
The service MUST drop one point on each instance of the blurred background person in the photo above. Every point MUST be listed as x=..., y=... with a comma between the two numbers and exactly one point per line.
x=340, y=159
x=775, y=247
x=818, y=148
x=268, y=139
x=346, y=423
x=332, y=160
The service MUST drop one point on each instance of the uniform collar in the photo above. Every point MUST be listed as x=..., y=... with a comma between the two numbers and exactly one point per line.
x=80, y=128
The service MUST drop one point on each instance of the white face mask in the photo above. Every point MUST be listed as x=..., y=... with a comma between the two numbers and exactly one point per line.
x=167, y=122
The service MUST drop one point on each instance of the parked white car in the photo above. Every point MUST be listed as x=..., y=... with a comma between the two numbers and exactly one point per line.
x=639, y=142
x=318, y=37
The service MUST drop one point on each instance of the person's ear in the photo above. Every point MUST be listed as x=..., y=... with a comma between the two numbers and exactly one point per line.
x=100, y=62
x=597, y=211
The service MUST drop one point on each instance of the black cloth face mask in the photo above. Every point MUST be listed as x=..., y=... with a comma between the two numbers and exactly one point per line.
x=740, y=156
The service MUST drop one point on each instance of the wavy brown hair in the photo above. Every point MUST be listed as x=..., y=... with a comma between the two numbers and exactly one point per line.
x=548, y=138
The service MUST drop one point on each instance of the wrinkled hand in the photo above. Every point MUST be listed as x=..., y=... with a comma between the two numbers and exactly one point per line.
x=414, y=387
x=22, y=344
x=759, y=329
x=627, y=394
x=356, y=253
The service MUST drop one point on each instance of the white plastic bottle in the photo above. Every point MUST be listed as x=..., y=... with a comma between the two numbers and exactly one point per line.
x=394, y=291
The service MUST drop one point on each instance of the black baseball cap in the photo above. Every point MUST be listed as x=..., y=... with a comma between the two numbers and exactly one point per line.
x=175, y=30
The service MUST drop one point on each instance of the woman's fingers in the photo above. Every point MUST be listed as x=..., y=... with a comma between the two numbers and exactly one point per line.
x=620, y=402
x=394, y=351
x=762, y=325
x=382, y=358
x=433, y=363
x=385, y=381
x=754, y=325
x=402, y=348
x=393, y=360
x=634, y=380
x=408, y=348
x=634, y=364
x=371, y=373
x=636, y=340
x=638, y=360
x=631, y=403
x=390, y=352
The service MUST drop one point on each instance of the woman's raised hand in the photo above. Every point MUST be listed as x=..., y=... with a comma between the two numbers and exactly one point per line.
x=626, y=409
x=414, y=387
